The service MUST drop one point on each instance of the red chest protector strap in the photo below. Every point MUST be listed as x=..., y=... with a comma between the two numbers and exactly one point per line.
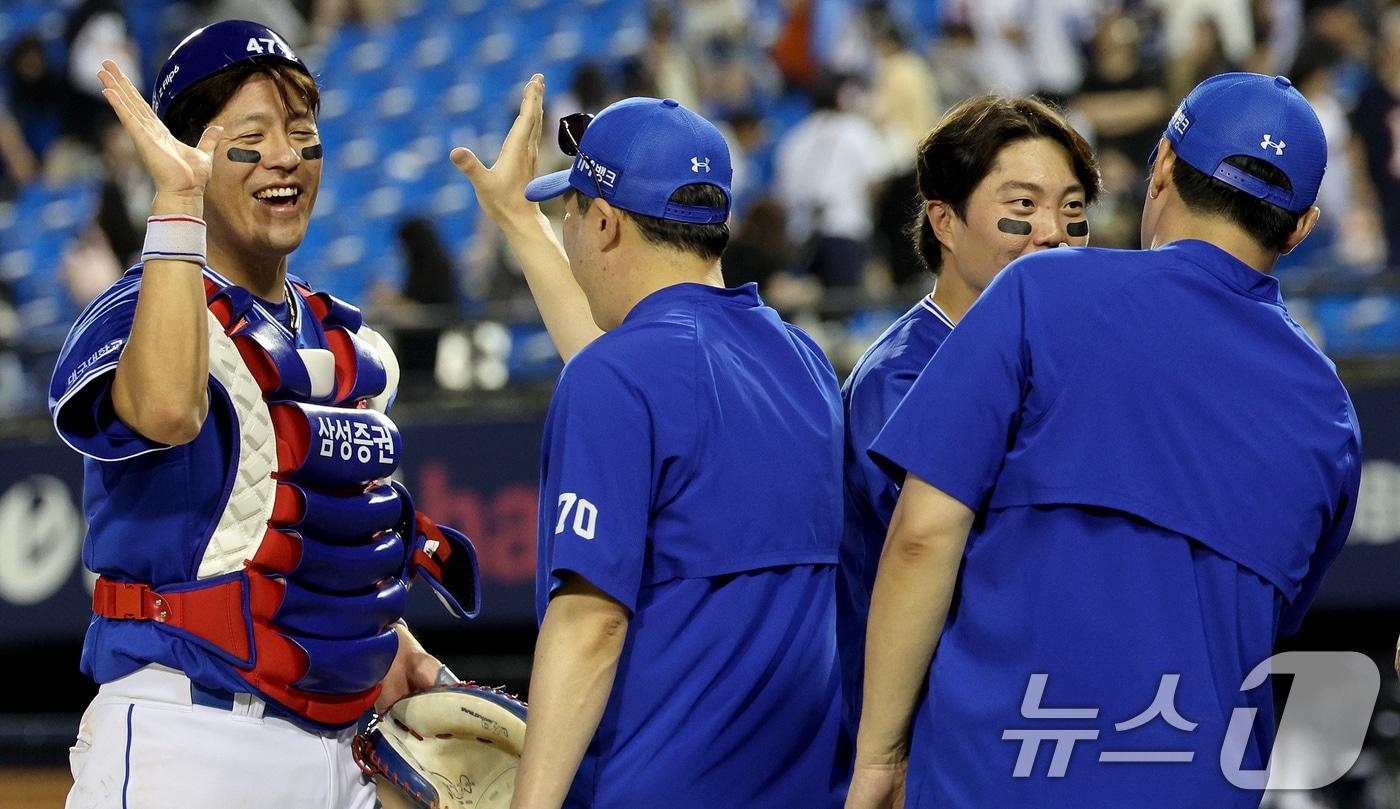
x=217, y=617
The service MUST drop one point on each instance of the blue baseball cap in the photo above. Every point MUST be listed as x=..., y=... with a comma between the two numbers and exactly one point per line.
x=637, y=152
x=212, y=48
x=1264, y=117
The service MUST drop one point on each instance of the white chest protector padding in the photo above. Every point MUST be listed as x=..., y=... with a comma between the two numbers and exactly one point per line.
x=240, y=528
x=391, y=367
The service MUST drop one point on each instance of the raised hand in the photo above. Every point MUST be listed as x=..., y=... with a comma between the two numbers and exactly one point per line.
x=176, y=168
x=501, y=188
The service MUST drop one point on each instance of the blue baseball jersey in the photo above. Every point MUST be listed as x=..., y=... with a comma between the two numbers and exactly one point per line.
x=880, y=379
x=692, y=471
x=150, y=508
x=1163, y=466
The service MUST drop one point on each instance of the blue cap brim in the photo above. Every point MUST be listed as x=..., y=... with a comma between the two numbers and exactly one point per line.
x=547, y=187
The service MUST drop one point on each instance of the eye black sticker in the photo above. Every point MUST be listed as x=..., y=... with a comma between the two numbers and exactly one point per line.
x=312, y=152
x=1014, y=226
x=244, y=155
x=1077, y=229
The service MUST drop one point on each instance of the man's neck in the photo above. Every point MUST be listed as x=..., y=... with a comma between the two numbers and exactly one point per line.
x=951, y=294
x=1223, y=235
x=659, y=274
x=265, y=279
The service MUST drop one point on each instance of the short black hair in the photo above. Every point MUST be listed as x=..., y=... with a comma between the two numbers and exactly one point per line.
x=962, y=148
x=1268, y=224
x=706, y=241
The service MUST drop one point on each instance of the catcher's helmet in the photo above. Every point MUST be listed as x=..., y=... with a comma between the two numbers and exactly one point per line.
x=212, y=48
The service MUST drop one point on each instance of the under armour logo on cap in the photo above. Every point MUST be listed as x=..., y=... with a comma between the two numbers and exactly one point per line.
x=697, y=165
x=1267, y=143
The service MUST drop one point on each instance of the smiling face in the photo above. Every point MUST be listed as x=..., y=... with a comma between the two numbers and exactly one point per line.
x=1031, y=188
x=260, y=194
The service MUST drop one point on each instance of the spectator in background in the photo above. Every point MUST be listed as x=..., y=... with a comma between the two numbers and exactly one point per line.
x=954, y=62
x=730, y=76
x=746, y=135
x=1313, y=75
x=1203, y=55
x=96, y=30
x=905, y=105
x=638, y=80
x=1278, y=27
x=827, y=170
x=759, y=250
x=704, y=21
x=125, y=198
x=1120, y=97
x=88, y=266
x=1124, y=106
x=1055, y=37
x=999, y=36
x=37, y=94
x=429, y=300
x=1232, y=22
x=590, y=90
x=844, y=35
x=18, y=165
x=904, y=97
x=1375, y=109
x=792, y=50
x=668, y=65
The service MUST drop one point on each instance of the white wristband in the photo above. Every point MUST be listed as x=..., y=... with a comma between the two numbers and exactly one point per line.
x=174, y=237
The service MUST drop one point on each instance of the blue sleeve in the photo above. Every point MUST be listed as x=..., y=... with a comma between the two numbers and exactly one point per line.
x=957, y=422
x=1331, y=543
x=872, y=399
x=597, y=494
x=80, y=393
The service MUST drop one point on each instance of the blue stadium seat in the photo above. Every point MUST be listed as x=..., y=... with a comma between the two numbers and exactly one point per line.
x=532, y=357
x=1355, y=325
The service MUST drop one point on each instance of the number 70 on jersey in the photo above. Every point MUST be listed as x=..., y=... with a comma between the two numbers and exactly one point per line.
x=585, y=515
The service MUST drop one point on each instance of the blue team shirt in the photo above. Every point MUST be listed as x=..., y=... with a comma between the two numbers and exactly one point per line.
x=1163, y=466
x=692, y=471
x=880, y=379
x=150, y=508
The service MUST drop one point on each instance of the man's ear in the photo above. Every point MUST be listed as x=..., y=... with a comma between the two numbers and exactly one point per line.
x=941, y=217
x=1161, y=176
x=609, y=227
x=1306, y=223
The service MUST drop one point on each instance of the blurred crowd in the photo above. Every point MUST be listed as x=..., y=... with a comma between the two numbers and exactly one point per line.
x=823, y=103
x=824, y=197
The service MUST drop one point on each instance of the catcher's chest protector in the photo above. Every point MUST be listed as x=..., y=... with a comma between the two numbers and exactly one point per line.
x=309, y=563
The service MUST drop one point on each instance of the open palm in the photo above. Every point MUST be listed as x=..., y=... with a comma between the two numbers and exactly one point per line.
x=175, y=167
x=501, y=188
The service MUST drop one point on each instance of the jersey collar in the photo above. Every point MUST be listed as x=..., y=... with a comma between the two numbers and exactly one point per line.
x=932, y=308
x=1230, y=270
x=678, y=295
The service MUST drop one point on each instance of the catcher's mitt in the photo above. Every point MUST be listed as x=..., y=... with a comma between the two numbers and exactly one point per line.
x=446, y=747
